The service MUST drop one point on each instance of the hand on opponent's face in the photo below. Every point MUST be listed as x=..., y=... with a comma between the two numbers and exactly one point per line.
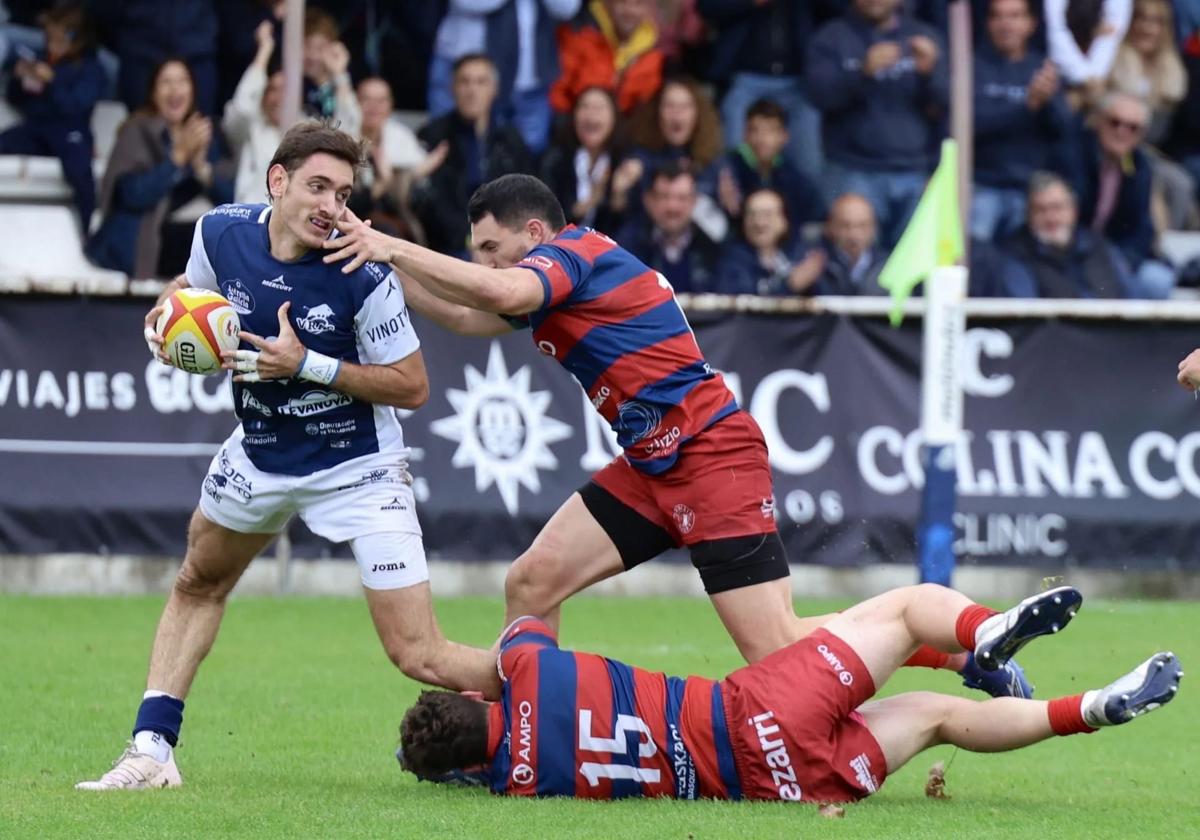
x=358, y=242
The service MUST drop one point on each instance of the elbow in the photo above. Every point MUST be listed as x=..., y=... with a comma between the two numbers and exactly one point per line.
x=414, y=396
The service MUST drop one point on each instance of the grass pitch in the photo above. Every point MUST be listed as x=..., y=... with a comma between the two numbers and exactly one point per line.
x=290, y=728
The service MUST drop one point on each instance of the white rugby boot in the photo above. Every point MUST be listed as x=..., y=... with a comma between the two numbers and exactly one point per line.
x=136, y=771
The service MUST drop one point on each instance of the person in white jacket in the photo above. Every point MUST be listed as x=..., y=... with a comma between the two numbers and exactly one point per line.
x=253, y=119
x=1086, y=65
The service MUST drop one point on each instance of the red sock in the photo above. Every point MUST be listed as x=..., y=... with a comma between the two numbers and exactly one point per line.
x=968, y=622
x=927, y=657
x=1066, y=715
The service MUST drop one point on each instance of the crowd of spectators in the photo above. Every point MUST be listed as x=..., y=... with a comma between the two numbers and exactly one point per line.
x=768, y=147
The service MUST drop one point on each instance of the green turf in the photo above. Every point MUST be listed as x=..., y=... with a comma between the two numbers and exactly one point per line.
x=292, y=721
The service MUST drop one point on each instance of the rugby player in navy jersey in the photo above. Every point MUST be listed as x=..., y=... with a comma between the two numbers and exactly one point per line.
x=694, y=468
x=325, y=359
x=798, y=725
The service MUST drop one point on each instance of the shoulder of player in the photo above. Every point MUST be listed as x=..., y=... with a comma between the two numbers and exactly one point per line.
x=227, y=217
x=366, y=278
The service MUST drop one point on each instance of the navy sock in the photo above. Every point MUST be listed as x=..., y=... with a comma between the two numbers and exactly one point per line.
x=161, y=714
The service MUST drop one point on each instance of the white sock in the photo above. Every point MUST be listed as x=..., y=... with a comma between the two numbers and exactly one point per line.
x=152, y=744
x=1091, y=716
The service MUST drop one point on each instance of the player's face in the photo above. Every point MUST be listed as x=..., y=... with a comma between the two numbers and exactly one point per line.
x=498, y=246
x=173, y=95
x=313, y=197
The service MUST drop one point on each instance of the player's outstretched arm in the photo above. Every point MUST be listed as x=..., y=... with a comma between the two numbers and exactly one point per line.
x=452, y=316
x=403, y=384
x=503, y=291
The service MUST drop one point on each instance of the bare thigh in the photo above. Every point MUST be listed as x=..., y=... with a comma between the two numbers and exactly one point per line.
x=907, y=724
x=760, y=618
x=570, y=553
x=217, y=556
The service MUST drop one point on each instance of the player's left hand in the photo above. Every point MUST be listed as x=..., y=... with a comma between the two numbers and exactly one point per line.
x=359, y=243
x=1189, y=371
x=275, y=358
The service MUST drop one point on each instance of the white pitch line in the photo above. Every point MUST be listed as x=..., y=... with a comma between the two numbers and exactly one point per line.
x=103, y=447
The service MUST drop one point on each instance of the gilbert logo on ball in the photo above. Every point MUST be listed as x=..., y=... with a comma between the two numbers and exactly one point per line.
x=196, y=325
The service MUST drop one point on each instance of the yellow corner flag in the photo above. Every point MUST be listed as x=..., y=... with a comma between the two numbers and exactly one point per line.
x=933, y=237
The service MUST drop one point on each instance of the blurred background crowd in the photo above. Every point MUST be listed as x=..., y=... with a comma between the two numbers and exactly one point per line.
x=767, y=147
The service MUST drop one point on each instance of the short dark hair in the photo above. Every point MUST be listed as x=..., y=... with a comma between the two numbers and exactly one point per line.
x=311, y=137
x=444, y=731
x=669, y=171
x=767, y=109
x=464, y=60
x=513, y=200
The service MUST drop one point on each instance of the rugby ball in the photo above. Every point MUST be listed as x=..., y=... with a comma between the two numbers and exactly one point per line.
x=196, y=325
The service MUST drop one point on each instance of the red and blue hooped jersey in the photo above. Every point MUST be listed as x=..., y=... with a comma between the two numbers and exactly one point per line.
x=615, y=325
x=578, y=724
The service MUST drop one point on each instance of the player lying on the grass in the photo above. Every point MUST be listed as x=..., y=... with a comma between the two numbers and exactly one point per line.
x=694, y=467
x=795, y=725
x=325, y=359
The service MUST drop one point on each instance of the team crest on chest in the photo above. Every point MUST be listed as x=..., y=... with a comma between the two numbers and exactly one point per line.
x=318, y=320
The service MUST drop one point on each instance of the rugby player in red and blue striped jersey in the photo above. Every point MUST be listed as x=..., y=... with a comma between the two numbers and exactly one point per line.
x=694, y=470
x=794, y=726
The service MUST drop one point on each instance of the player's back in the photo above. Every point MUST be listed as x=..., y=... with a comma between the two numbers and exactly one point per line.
x=578, y=724
x=615, y=325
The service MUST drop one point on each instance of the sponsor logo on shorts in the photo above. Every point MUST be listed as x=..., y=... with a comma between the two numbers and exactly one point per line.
x=775, y=754
x=233, y=478
x=768, y=508
x=861, y=765
x=830, y=657
x=685, y=518
x=395, y=504
x=372, y=477
x=685, y=768
x=239, y=296
x=314, y=402
x=388, y=567
x=318, y=320
x=213, y=485
x=277, y=283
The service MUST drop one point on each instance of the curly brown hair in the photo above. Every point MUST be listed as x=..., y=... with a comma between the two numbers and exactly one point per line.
x=444, y=731
x=704, y=146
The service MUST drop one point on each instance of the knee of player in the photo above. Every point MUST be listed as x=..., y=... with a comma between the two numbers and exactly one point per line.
x=528, y=584
x=195, y=582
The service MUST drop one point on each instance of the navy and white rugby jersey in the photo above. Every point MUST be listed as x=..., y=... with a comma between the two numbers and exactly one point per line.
x=292, y=426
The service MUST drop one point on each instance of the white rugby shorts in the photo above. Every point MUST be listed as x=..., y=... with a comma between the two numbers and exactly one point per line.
x=370, y=496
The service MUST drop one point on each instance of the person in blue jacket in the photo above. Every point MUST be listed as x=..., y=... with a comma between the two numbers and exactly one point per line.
x=880, y=80
x=56, y=90
x=1020, y=116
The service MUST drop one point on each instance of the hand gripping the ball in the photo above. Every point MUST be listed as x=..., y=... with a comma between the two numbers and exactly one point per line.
x=153, y=340
x=276, y=358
